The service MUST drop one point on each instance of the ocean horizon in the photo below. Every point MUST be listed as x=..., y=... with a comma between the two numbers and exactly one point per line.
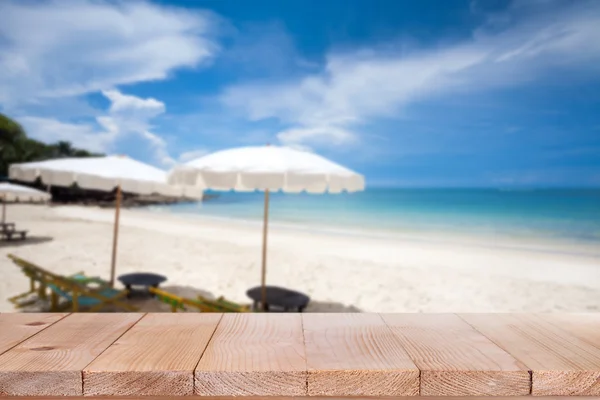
x=572, y=214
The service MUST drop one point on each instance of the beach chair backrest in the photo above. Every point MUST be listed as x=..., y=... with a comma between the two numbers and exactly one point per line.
x=201, y=303
x=56, y=288
x=32, y=270
x=175, y=302
x=229, y=305
x=36, y=272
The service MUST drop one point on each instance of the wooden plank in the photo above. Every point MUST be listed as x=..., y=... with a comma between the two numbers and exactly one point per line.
x=561, y=364
x=157, y=356
x=254, y=354
x=50, y=363
x=356, y=355
x=457, y=360
x=311, y=398
x=17, y=327
x=585, y=326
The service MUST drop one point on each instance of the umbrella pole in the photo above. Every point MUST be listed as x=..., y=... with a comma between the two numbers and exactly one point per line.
x=3, y=208
x=115, y=237
x=264, y=252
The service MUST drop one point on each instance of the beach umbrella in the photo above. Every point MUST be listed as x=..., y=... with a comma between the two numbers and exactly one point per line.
x=12, y=192
x=266, y=168
x=103, y=174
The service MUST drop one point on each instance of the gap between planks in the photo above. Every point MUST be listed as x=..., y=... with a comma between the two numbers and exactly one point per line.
x=51, y=362
x=457, y=360
x=356, y=354
x=156, y=356
x=561, y=363
x=195, y=397
x=18, y=327
x=254, y=354
x=375, y=363
x=571, y=337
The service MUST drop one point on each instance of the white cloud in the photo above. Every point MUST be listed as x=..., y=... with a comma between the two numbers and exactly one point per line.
x=53, y=51
x=160, y=148
x=72, y=47
x=325, y=134
x=300, y=147
x=127, y=115
x=124, y=103
x=81, y=135
x=355, y=88
x=192, y=154
x=132, y=115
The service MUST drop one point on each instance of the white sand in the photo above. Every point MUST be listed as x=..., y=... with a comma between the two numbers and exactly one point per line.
x=340, y=273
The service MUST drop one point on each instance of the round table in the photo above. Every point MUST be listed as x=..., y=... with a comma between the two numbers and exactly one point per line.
x=279, y=297
x=143, y=279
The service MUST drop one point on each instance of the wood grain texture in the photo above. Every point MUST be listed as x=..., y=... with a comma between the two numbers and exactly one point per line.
x=356, y=355
x=50, y=363
x=457, y=360
x=157, y=356
x=17, y=327
x=304, y=398
x=561, y=364
x=254, y=354
x=585, y=326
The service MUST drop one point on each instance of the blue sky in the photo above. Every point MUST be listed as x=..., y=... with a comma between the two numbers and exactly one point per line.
x=409, y=93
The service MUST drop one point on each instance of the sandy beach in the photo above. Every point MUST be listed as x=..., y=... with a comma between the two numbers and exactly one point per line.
x=341, y=273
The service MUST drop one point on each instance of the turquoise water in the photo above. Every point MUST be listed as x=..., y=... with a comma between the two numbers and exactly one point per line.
x=568, y=213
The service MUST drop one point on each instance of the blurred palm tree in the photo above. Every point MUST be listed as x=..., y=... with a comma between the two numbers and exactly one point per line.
x=16, y=147
x=64, y=149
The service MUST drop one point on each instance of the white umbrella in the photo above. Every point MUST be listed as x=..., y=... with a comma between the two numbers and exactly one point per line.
x=12, y=192
x=104, y=174
x=268, y=168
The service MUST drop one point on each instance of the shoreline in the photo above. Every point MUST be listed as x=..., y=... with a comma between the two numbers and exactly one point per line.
x=366, y=248
x=340, y=273
x=559, y=216
x=531, y=242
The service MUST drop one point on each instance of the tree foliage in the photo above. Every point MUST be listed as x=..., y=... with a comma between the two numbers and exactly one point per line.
x=16, y=147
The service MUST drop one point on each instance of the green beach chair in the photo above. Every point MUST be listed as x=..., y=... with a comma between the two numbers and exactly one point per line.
x=79, y=290
x=79, y=297
x=201, y=303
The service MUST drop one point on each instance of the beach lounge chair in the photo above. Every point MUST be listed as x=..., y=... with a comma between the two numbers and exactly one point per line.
x=9, y=234
x=79, y=296
x=201, y=303
x=36, y=275
x=7, y=231
x=79, y=290
x=7, y=226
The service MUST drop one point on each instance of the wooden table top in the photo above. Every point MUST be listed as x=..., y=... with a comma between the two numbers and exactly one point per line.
x=296, y=355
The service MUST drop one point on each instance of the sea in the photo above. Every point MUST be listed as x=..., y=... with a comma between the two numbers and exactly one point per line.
x=544, y=213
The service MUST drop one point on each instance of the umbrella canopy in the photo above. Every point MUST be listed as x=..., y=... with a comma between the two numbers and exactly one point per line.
x=12, y=192
x=105, y=174
x=100, y=173
x=268, y=168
